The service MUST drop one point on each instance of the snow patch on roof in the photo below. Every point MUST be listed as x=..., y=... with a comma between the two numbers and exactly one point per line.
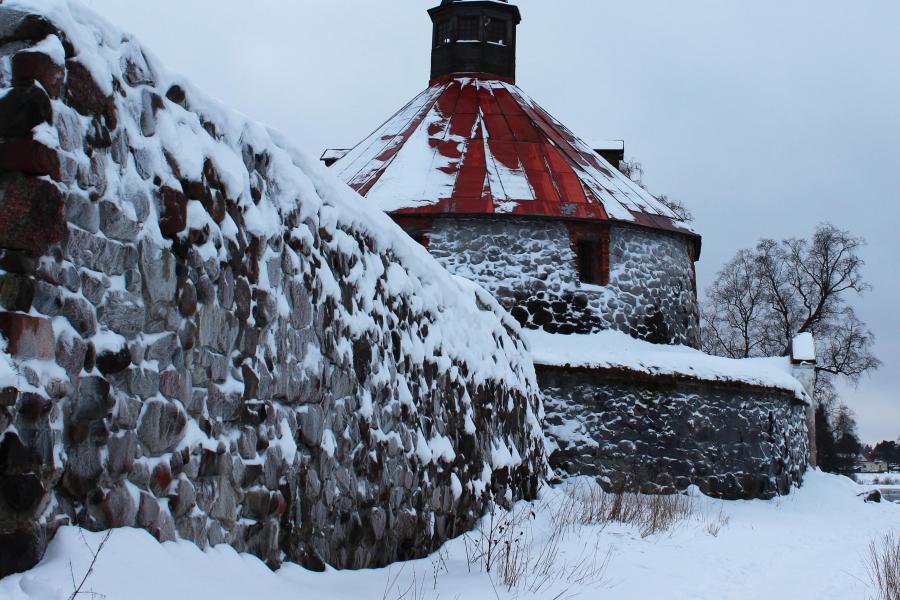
x=485, y=146
x=616, y=350
x=418, y=170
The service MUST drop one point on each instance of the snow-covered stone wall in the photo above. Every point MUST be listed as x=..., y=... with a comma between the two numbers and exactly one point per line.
x=659, y=434
x=530, y=266
x=208, y=337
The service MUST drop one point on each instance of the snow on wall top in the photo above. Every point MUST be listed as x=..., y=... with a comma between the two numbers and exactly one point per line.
x=616, y=350
x=187, y=141
x=803, y=348
x=482, y=146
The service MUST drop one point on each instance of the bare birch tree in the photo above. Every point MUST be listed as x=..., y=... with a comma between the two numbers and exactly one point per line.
x=634, y=170
x=764, y=297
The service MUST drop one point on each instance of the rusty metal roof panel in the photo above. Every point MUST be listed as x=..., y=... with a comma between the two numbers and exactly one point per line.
x=471, y=145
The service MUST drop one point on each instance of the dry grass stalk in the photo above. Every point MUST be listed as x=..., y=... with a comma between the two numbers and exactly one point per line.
x=650, y=514
x=415, y=590
x=507, y=549
x=95, y=554
x=543, y=562
x=883, y=566
x=715, y=526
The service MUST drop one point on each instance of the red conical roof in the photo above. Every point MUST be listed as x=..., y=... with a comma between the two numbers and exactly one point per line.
x=474, y=146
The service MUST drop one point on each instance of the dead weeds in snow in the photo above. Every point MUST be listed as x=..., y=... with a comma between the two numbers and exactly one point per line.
x=883, y=566
x=587, y=504
x=715, y=526
x=552, y=548
x=520, y=557
x=95, y=554
x=414, y=590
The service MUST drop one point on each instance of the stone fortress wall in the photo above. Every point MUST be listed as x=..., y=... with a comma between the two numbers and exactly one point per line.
x=631, y=429
x=206, y=337
x=661, y=435
x=530, y=267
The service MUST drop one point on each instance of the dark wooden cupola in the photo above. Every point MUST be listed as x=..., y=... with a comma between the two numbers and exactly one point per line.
x=474, y=36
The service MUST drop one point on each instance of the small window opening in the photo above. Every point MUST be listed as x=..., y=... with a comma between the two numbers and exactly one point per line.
x=496, y=32
x=469, y=29
x=588, y=263
x=444, y=33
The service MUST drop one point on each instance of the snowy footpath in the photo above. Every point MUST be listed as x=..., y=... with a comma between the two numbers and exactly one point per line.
x=809, y=545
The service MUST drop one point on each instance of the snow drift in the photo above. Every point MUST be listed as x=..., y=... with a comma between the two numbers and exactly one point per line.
x=811, y=545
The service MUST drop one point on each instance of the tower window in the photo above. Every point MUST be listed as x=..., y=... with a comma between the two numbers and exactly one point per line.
x=588, y=270
x=496, y=31
x=591, y=247
x=469, y=29
x=443, y=33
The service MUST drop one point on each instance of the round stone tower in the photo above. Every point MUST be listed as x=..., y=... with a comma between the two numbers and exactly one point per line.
x=502, y=193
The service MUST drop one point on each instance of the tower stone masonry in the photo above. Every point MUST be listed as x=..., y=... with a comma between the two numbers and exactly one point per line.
x=502, y=193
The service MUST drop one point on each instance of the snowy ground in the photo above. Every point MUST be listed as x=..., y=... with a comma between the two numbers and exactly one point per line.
x=878, y=479
x=810, y=545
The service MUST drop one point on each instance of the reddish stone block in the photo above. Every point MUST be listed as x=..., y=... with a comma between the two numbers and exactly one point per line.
x=9, y=396
x=17, y=261
x=28, y=337
x=27, y=27
x=30, y=157
x=278, y=504
x=160, y=479
x=22, y=108
x=177, y=95
x=22, y=493
x=194, y=190
x=30, y=66
x=84, y=94
x=16, y=292
x=214, y=203
x=115, y=508
x=174, y=212
x=31, y=214
x=21, y=549
x=110, y=363
x=34, y=406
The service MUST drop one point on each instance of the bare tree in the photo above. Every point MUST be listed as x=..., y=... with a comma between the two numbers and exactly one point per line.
x=844, y=422
x=734, y=321
x=764, y=297
x=634, y=170
x=676, y=206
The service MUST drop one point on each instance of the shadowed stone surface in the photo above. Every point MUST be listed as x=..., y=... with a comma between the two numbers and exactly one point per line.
x=161, y=427
x=657, y=436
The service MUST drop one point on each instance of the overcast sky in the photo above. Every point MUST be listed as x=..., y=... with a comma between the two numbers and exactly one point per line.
x=765, y=117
